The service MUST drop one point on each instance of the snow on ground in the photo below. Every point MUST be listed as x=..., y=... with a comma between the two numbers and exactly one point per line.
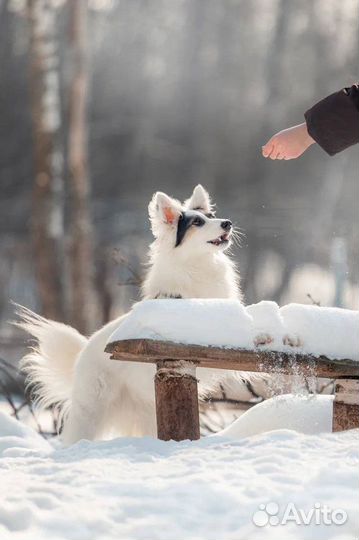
x=146, y=489
x=332, y=332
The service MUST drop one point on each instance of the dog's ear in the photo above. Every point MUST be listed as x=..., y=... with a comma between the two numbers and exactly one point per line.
x=199, y=200
x=163, y=210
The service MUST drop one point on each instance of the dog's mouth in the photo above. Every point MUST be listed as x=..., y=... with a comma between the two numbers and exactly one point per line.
x=220, y=240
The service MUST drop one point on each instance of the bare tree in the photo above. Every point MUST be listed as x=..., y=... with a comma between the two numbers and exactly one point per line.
x=81, y=254
x=47, y=213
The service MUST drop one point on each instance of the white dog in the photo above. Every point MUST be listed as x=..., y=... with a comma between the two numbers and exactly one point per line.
x=96, y=397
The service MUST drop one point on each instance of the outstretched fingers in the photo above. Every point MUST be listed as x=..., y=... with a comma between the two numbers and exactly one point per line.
x=273, y=149
x=267, y=149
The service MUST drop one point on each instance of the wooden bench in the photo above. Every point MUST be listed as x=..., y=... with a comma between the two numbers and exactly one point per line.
x=176, y=383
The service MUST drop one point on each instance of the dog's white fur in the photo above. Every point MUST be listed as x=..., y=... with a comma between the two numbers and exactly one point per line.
x=98, y=398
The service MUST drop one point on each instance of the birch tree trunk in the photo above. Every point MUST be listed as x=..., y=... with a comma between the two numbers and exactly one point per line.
x=84, y=305
x=48, y=192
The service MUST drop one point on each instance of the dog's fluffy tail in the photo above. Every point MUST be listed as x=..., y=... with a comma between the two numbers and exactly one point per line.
x=49, y=364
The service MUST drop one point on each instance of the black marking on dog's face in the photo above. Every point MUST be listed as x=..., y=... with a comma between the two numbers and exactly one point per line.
x=186, y=220
x=210, y=215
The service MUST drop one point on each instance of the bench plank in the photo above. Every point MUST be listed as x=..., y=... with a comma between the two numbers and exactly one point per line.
x=153, y=351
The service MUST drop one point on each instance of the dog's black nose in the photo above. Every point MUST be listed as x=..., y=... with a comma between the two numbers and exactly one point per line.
x=226, y=225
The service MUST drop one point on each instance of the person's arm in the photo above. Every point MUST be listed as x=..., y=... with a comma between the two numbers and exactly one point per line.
x=333, y=123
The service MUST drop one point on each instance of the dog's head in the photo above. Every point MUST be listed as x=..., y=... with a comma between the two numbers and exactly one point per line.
x=191, y=225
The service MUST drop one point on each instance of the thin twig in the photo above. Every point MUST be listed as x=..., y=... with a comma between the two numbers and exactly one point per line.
x=314, y=302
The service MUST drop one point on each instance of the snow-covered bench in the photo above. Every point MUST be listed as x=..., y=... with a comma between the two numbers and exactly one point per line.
x=181, y=335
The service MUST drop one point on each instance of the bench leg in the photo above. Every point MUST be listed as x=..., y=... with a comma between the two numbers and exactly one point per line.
x=346, y=404
x=176, y=401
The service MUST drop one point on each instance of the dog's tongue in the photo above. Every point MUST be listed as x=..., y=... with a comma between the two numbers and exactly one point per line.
x=220, y=239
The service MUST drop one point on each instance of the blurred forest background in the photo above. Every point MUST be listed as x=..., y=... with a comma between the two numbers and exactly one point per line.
x=104, y=102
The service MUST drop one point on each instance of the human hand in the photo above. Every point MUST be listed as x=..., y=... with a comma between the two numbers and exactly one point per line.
x=289, y=143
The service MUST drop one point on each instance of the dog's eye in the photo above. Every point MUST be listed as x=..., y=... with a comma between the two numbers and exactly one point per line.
x=198, y=222
x=210, y=215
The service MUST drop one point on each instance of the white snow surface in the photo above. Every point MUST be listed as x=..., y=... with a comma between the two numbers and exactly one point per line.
x=146, y=489
x=309, y=414
x=332, y=332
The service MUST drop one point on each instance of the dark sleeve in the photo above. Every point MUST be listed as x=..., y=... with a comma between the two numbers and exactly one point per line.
x=334, y=122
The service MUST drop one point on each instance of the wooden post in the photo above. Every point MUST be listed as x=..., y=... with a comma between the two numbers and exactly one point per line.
x=346, y=404
x=176, y=401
